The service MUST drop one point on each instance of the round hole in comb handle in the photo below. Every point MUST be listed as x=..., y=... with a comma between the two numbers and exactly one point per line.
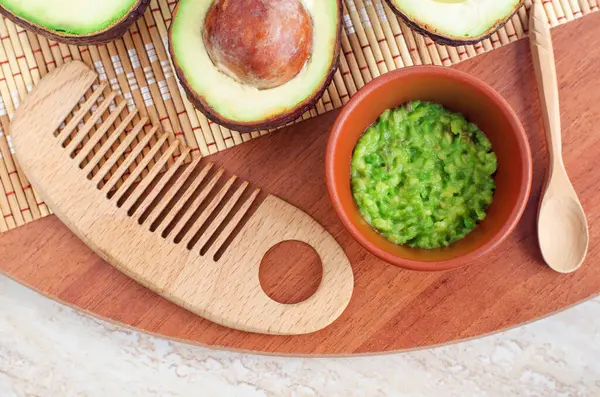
x=290, y=272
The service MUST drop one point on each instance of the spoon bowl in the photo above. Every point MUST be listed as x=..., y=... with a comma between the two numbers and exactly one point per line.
x=562, y=226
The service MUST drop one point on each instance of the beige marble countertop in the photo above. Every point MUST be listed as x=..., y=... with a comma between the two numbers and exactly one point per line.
x=49, y=350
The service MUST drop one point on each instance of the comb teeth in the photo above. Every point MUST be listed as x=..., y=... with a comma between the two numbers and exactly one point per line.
x=199, y=208
x=119, y=151
x=80, y=114
x=98, y=135
x=100, y=153
x=91, y=122
x=147, y=202
x=188, y=208
x=165, y=213
x=220, y=216
x=206, y=213
x=191, y=205
x=145, y=183
x=137, y=150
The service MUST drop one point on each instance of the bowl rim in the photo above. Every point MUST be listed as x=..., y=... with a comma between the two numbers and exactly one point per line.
x=524, y=151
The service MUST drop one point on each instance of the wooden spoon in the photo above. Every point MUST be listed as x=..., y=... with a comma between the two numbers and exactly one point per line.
x=562, y=227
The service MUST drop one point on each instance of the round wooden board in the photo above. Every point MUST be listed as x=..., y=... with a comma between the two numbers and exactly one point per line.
x=392, y=309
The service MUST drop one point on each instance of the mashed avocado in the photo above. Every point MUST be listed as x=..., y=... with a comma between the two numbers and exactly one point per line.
x=422, y=175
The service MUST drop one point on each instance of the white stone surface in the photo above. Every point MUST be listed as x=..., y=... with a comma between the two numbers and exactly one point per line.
x=48, y=350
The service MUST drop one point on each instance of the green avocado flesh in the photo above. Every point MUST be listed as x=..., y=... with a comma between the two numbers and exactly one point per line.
x=460, y=19
x=74, y=17
x=233, y=101
x=423, y=176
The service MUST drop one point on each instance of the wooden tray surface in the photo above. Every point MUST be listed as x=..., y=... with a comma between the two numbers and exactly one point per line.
x=392, y=309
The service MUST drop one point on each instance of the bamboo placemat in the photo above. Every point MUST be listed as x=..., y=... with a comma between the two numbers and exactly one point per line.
x=138, y=67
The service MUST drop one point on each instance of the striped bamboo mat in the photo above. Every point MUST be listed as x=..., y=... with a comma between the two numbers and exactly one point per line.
x=374, y=42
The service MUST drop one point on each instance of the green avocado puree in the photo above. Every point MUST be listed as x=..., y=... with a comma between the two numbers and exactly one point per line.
x=422, y=175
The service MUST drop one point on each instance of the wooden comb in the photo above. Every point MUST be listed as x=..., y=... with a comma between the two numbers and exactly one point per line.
x=177, y=229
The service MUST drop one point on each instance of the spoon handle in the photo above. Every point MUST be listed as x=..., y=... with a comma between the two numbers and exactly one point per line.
x=545, y=72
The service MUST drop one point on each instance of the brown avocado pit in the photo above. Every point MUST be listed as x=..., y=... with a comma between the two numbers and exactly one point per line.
x=255, y=64
x=259, y=43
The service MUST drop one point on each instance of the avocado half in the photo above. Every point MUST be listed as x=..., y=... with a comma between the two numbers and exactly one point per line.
x=255, y=64
x=78, y=22
x=456, y=22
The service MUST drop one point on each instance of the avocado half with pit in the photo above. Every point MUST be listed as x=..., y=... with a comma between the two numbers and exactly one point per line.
x=79, y=22
x=456, y=22
x=255, y=64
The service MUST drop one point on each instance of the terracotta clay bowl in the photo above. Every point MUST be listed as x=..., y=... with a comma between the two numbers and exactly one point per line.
x=458, y=92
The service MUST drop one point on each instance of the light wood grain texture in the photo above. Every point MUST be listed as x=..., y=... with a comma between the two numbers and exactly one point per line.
x=200, y=274
x=562, y=226
x=391, y=309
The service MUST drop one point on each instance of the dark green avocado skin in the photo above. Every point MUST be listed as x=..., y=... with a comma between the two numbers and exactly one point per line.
x=272, y=122
x=450, y=41
x=102, y=37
